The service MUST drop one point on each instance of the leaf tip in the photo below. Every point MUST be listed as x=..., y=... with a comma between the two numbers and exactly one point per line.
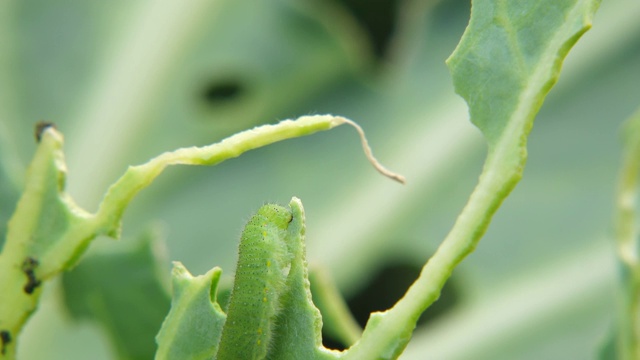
x=41, y=127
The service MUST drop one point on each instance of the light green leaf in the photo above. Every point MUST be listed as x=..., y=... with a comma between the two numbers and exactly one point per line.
x=509, y=58
x=506, y=62
x=193, y=327
x=46, y=233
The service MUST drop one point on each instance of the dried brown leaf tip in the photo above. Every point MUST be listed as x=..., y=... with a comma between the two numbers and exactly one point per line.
x=41, y=126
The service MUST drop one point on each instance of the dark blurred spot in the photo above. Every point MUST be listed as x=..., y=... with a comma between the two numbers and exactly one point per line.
x=29, y=266
x=451, y=13
x=5, y=339
x=377, y=18
x=224, y=294
x=386, y=287
x=220, y=92
x=330, y=343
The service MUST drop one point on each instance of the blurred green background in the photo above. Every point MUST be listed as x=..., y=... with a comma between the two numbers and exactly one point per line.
x=127, y=80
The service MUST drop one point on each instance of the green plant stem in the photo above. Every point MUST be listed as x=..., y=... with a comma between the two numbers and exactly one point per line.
x=626, y=236
x=337, y=320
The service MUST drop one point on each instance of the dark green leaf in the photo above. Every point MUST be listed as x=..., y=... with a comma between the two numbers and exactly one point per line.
x=125, y=293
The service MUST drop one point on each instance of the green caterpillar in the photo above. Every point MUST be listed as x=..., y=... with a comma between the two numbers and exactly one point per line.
x=263, y=263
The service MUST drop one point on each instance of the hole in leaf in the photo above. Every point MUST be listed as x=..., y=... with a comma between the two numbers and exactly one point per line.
x=377, y=18
x=220, y=92
x=386, y=287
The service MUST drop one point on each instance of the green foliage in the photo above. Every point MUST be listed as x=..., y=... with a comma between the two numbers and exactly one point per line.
x=46, y=234
x=506, y=129
x=194, y=325
x=509, y=58
x=133, y=81
x=114, y=289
